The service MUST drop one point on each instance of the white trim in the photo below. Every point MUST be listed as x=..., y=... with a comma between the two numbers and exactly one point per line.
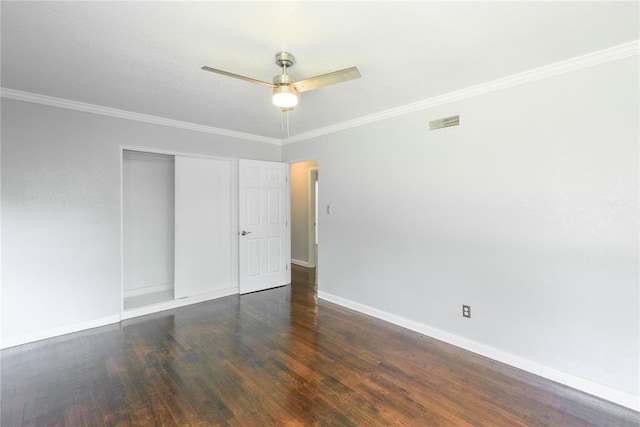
x=35, y=98
x=147, y=290
x=592, y=59
x=311, y=228
x=287, y=222
x=153, y=150
x=177, y=303
x=147, y=156
x=589, y=60
x=621, y=398
x=121, y=161
x=235, y=231
x=301, y=263
x=104, y=321
x=64, y=330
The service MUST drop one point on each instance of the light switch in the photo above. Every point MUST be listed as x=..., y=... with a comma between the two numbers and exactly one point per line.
x=328, y=209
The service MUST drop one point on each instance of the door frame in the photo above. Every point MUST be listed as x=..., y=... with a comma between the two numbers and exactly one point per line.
x=311, y=224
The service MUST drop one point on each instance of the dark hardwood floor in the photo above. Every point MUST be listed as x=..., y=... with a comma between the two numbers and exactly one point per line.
x=277, y=357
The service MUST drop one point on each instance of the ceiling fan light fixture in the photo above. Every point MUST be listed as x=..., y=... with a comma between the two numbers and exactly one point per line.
x=285, y=96
x=285, y=89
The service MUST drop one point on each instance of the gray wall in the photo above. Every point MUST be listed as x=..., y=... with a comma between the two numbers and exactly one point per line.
x=61, y=210
x=528, y=212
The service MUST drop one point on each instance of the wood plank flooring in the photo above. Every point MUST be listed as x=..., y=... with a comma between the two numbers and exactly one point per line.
x=278, y=357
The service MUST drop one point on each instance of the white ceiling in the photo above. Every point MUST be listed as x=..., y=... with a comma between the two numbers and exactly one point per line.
x=145, y=57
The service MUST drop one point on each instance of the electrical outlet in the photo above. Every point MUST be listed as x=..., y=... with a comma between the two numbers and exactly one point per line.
x=466, y=311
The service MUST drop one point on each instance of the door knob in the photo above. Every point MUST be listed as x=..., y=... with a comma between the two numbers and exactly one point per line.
x=244, y=233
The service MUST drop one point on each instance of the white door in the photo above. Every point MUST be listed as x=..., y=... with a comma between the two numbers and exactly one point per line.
x=202, y=225
x=263, y=223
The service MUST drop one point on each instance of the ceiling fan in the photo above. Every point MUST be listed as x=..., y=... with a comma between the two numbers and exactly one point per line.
x=285, y=89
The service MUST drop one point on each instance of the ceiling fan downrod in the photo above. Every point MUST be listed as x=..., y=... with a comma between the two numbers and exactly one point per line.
x=284, y=60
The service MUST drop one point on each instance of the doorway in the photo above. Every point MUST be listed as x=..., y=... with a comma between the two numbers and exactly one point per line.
x=304, y=224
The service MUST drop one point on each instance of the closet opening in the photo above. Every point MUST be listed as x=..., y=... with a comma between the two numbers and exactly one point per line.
x=148, y=197
x=179, y=228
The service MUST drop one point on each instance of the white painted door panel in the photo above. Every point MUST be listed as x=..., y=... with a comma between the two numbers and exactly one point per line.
x=264, y=217
x=203, y=225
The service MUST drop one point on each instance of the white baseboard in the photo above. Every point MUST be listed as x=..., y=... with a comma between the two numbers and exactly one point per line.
x=176, y=303
x=302, y=263
x=50, y=333
x=621, y=398
x=147, y=290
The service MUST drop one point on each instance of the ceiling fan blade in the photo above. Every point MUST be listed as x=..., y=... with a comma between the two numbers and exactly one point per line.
x=238, y=76
x=327, y=79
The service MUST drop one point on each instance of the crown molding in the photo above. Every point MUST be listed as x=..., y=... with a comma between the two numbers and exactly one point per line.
x=128, y=115
x=585, y=61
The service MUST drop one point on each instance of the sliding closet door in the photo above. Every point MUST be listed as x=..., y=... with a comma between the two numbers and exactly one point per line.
x=203, y=225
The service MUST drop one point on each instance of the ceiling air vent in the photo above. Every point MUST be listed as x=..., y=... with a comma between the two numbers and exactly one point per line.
x=444, y=123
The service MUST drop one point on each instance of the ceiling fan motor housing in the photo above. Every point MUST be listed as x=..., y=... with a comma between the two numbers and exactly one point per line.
x=282, y=80
x=285, y=59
